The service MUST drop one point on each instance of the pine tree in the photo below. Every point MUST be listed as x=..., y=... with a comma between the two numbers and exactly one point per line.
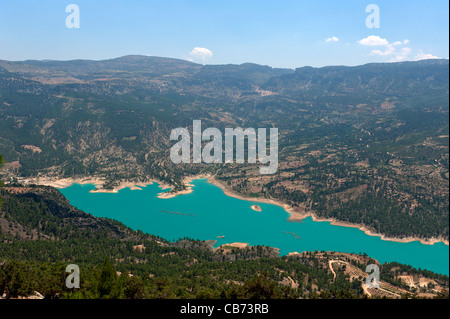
x=108, y=282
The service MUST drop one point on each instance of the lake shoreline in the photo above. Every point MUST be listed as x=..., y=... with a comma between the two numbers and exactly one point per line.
x=295, y=214
x=98, y=182
x=299, y=216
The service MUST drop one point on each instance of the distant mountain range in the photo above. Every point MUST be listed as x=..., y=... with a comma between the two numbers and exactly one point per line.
x=183, y=76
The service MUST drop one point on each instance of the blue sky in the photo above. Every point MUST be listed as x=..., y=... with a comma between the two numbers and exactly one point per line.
x=279, y=33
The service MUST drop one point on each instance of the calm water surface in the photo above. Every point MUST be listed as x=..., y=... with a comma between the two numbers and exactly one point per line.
x=207, y=213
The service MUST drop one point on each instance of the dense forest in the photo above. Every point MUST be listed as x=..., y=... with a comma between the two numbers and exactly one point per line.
x=41, y=233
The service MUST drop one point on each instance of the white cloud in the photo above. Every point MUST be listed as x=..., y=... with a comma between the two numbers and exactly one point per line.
x=201, y=54
x=425, y=56
x=394, y=52
x=388, y=51
x=401, y=55
x=373, y=40
x=406, y=41
x=332, y=39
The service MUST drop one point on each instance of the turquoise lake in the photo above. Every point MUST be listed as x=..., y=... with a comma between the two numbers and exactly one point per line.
x=208, y=213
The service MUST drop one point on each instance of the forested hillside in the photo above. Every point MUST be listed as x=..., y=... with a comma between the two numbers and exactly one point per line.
x=367, y=144
x=41, y=233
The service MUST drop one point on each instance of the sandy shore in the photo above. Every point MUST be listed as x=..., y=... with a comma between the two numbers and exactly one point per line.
x=367, y=231
x=294, y=253
x=122, y=185
x=236, y=245
x=187, y=182
x=63, y=183
x=297, y=215
x=97, y=182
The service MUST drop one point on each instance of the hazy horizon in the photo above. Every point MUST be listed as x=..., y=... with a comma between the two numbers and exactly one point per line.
x=222, y=64
x=282, y=34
